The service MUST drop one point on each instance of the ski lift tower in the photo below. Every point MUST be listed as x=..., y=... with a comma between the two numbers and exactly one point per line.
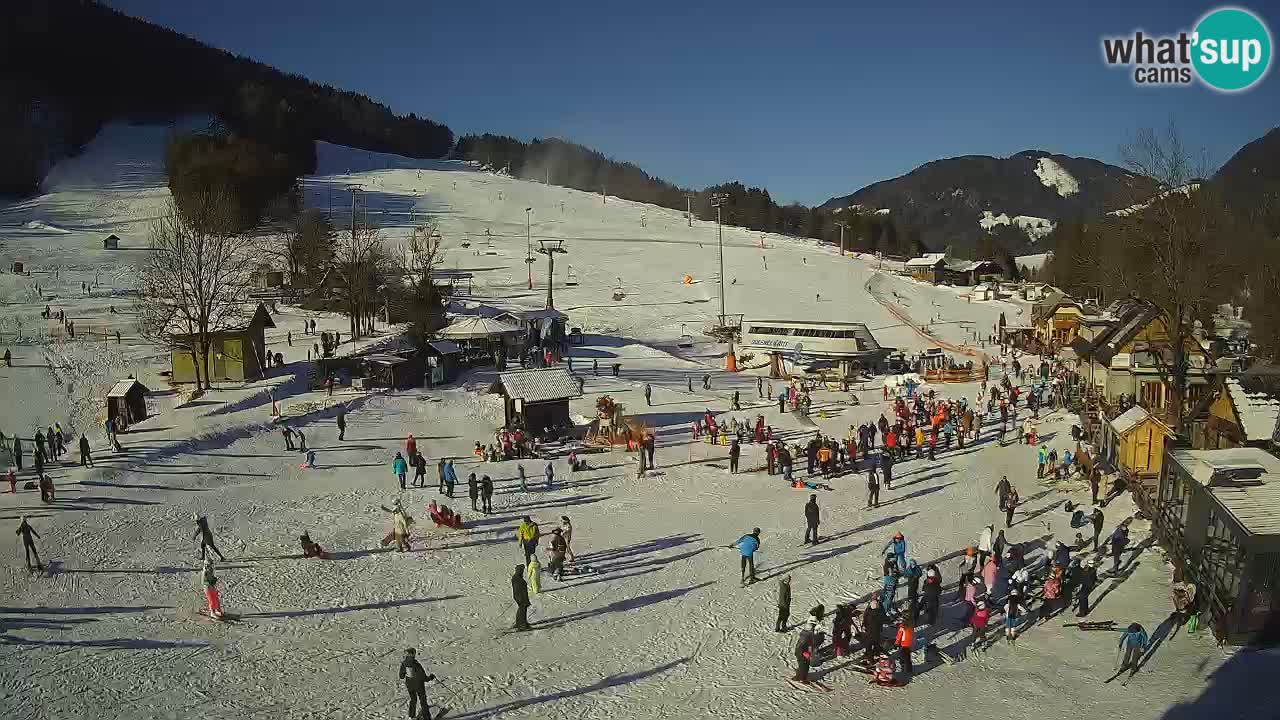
x=717, y=201
x=550, y=247
x=528, y=240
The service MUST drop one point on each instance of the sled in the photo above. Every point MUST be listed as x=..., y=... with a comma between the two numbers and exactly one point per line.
x=454, y=522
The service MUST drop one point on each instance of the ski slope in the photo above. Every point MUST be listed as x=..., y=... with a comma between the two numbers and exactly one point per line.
x=661, y=630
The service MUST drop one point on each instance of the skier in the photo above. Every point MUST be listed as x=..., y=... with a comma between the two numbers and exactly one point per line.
x=806, y=648
x=811, y=520
x=520, y=593
x=1011, y=504
x=85, y=457
x=415, y=681
x=549, y=475
x=419, y=470
x=17, y=453
x=400, y=522
x=912, y=574
x=1119, y=541
x=873, y=487
x=978, y=621
x=210, y=583
x=527, y=535
x=897, y=547
x=1087, y=582
x=759, y=386
x=648, y=394
x=735, y=452
x=440, y=476
x=1097, y=519
x=747, y=546
x=566, y=532
x=1012, y=612
x=1133, y=643
x=932, y=594
x=904, y=639
x=873, y=627
x=706, y=382
x=1002, y=490
x=737, y=398
x=400, y=468
x=287, y=432
x=28, y=545
x=533, y=575
x=450, y=478
x=473, y=491
x=784, y=604
x=205, y=535
x=558, y=551
x=342, y=425
x=524, y=479
x=984, y=544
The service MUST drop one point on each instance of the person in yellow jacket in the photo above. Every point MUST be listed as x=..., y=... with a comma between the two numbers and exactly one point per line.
x=527, y=535
x=533, y=575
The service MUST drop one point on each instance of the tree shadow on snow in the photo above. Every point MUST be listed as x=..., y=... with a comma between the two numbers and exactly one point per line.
x=602, y=684
x=383, y=605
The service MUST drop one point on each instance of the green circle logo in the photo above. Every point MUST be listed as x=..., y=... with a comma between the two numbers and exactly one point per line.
x=1231, y=49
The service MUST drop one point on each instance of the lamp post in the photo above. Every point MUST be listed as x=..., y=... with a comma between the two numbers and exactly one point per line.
x=549, y=248
x=528, y=240
x=717, y=201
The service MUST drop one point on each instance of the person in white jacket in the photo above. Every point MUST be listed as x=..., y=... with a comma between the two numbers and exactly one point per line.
x=566, y=532
x=984, y=544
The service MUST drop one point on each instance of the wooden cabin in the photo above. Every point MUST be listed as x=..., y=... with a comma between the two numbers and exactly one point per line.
x=236, y=354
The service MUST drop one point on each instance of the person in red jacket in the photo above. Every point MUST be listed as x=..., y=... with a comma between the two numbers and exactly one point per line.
x=905, y=638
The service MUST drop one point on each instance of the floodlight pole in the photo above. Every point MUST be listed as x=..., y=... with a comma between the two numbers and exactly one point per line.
x=528, y=239
x=718, y=200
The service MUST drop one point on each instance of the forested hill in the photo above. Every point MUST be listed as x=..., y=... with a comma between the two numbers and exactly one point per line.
x=71, y=65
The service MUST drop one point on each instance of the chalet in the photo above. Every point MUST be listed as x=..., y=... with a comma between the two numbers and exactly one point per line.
x=927, y=268
x=126, y=404
x=1056, y=323
x=1218, y=515
x=237, y=353
x=111, y=242
x=1125, y=358
x=1240, y=414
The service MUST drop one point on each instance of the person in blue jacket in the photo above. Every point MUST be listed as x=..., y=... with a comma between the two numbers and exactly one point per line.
x=450, y=478
x=897, y=547
x=400, y=468
x=747, y=545
x=1133, y=643
x=888, y=590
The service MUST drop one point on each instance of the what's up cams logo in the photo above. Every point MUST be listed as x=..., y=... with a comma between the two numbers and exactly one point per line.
x=1229, y=50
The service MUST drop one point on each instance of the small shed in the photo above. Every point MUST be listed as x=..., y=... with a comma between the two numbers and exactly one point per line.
x=391, y=371
x=983, y=292
x=236, y=353
x=1219, y=516
x=537, y=399
x=443, y=359
x=17, y=267
x=111, y=242
x=1134, y=444
x=127, y=403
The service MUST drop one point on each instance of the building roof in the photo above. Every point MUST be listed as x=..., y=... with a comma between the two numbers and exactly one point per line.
x=1257, y=411
x=539, y=385
x=1245, y=482
x=383, y=359
x=1132, y=418
x=122, y=388
x=470, y=328
x=928, y=260
x=444, y=347
x=245, y=321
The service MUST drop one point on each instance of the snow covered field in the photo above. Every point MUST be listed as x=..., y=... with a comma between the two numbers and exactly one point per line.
x=662, y=630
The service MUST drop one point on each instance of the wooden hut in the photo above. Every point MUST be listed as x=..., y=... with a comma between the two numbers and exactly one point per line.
x=1133, y=443
x=126, y=403
x=111, y=242
x=442, y=361
x=537, y=399
x=237, y=353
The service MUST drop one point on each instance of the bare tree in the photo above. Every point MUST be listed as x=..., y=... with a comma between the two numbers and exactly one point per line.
x=360, y=263
x=418, y=260
x=305, y=247
x=195, y=280
x=1170, y=249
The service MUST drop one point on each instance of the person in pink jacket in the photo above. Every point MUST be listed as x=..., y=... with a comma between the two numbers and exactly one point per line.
x=989, y=572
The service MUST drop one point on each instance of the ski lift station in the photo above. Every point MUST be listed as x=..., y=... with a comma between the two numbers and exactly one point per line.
x=851, y=345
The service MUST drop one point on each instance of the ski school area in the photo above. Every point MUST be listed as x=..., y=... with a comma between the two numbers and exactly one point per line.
x=686, y=541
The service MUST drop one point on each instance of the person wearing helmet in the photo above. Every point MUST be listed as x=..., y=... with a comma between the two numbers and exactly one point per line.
x=1088, y=581
x=205, y=535
x=897, y=547
x=415, y=681
x=747, y=545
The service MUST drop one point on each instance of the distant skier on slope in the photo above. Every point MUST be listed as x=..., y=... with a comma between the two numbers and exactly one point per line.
x=206, y=536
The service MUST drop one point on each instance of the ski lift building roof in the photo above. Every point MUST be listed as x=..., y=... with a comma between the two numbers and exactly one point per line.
x=475, y=327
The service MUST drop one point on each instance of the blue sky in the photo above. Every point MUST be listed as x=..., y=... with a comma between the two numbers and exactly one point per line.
x=808, y=99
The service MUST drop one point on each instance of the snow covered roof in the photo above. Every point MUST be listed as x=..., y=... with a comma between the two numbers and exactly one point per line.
x=540, y=385
x=928, y=260
x=1258, y=411
x=1129, y=419
x=384, y=359
x=1245, y=481
x=122, y=388
x=468, y=328
x=444, y=347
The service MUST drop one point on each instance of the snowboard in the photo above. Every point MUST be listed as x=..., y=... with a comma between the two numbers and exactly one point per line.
x=811, y=686
x=572, y=570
